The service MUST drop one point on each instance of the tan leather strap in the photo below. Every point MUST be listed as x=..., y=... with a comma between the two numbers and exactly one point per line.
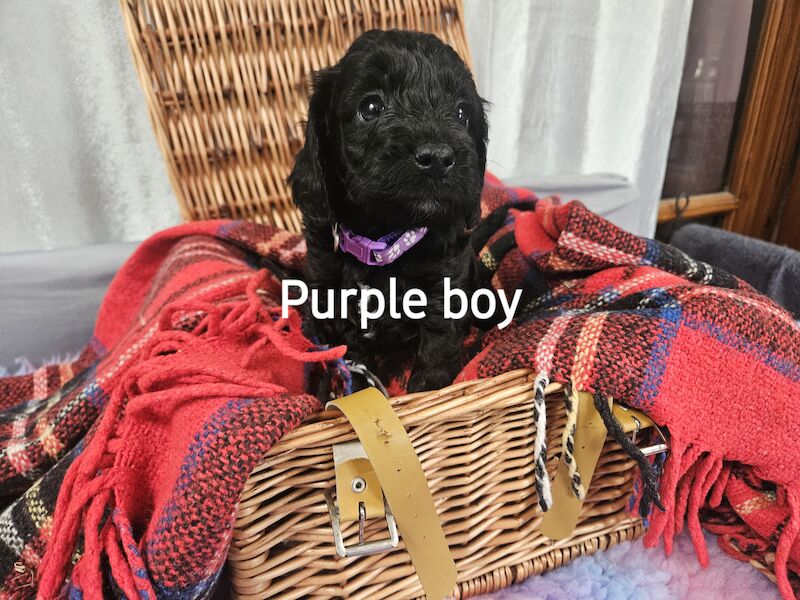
x=590, y=436
x=400, y=475
x=351, y=463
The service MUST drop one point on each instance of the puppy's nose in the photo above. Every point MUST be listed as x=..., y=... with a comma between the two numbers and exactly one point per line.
x=435, y=160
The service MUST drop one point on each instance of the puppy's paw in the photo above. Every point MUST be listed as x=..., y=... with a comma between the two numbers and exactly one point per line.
x=431, y=379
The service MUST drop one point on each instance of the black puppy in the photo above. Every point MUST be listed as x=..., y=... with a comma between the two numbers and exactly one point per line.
x=395, y=152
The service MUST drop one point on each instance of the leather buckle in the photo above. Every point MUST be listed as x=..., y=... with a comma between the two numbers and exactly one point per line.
x=362, y=548
x=358, y=497
x=399, y=482
x=640, y=421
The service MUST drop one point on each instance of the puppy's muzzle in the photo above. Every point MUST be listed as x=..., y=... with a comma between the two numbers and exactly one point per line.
x=435, y=160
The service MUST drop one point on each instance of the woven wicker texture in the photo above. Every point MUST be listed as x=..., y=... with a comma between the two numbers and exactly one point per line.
x=226, y=83
x=475, y=443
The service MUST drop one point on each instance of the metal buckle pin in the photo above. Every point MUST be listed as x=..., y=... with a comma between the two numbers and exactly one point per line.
x=648, y=450
x=657, y=448
x=362, y=548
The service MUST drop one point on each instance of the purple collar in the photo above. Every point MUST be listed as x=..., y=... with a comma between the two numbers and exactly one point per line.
x=378, y=252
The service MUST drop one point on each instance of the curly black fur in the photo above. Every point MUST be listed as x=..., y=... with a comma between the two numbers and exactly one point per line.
x=363, y=174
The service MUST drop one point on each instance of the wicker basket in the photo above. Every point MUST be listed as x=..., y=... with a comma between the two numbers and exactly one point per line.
x=475, y=443
x=226, y=88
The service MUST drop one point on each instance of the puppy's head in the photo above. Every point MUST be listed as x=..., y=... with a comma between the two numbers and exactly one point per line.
x=396, y=138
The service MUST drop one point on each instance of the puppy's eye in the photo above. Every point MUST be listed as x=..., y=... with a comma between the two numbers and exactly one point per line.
x=371, y=107
x=462, y=114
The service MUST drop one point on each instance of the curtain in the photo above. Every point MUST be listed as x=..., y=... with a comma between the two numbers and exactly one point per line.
x=576, y=86
x=579, y=87
x=79, y=163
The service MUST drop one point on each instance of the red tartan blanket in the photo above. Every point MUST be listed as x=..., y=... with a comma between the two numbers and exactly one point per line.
x=144, y=443
x=191, y=377
x=696, y=349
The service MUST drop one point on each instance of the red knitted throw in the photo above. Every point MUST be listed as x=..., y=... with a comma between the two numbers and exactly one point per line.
x=698, y=350
x=202, y=376
x=144, y=444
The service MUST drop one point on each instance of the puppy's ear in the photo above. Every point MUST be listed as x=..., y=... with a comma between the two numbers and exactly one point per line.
x=481, y=133
x=308, y=178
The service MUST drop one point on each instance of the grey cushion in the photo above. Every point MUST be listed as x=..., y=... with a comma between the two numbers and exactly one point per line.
x=49, y=300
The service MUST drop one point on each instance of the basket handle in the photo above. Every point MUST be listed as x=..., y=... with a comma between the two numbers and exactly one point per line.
x=399, y=472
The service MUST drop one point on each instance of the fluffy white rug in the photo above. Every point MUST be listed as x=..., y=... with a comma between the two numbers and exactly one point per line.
x=629, y=571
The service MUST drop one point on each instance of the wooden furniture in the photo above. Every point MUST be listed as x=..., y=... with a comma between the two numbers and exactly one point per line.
x=762, y=194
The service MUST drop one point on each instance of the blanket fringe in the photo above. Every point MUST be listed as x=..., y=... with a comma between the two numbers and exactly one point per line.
x=718, y=489
x=88, y=496
x=687, y=482
x=785, y=542
x=708, y=470
x=693, y=478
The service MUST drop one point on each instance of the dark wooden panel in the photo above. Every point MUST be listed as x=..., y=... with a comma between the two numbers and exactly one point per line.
x=762, y=170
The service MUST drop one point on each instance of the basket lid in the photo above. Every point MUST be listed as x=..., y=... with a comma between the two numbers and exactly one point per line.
x=227, y=86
